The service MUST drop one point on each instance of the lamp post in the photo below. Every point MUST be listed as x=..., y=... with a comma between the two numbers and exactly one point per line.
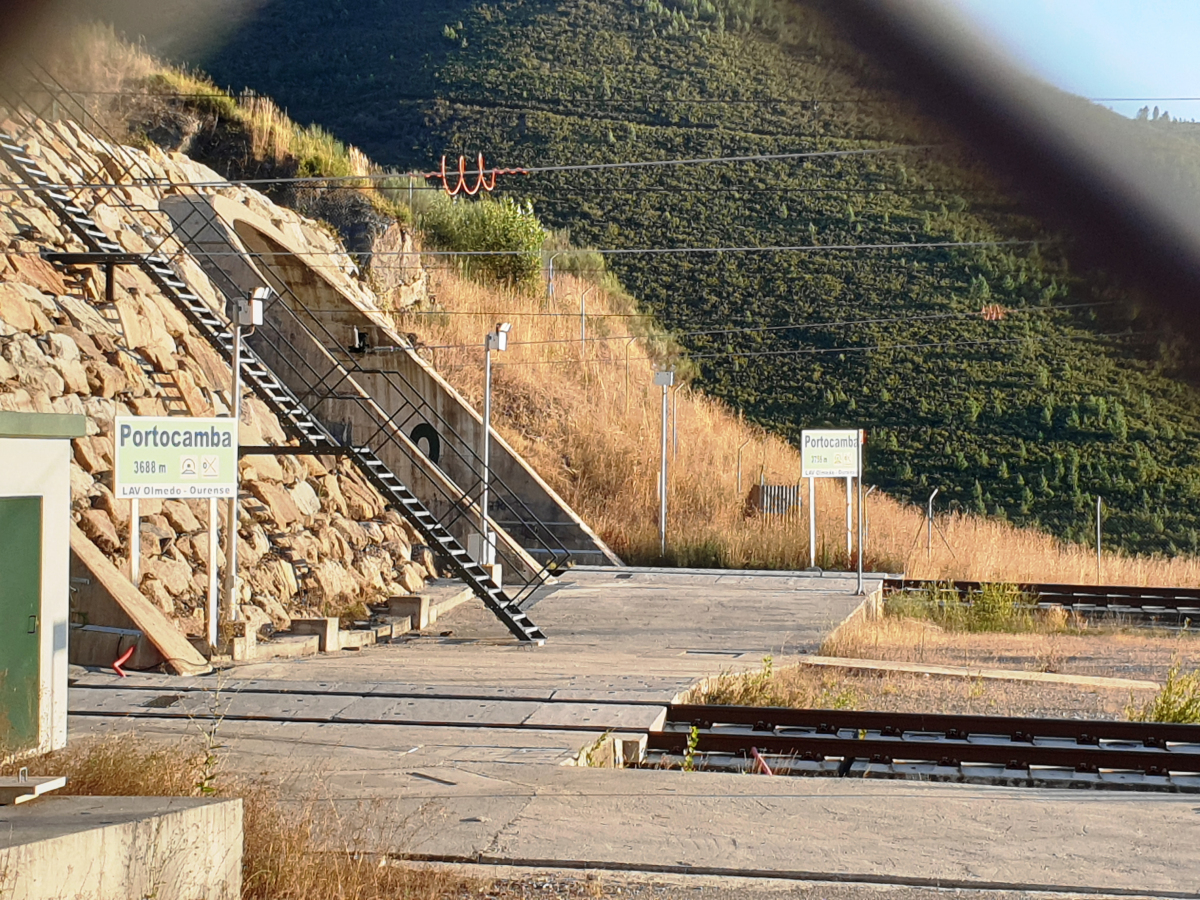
x=494, y=340
x=929, y=526
x=665, y=380
x=249, y=314
x=550, y=278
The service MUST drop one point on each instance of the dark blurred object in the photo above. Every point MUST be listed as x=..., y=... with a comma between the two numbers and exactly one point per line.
x=20, y=20
x=1077, y=166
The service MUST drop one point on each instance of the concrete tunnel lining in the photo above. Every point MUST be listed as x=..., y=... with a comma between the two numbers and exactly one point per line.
x=345, y=308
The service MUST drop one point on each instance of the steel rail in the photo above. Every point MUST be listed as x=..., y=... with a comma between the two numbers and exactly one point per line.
x=1118, y=598
x=949, y=740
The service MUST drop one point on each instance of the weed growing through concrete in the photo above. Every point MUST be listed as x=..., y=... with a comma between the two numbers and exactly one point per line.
x=591, y=757
x=689, y=754
x=208, y=730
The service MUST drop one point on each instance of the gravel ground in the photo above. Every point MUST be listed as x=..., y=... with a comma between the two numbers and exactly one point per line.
x=551, y=886
x=817, y=687
x=1133, y=653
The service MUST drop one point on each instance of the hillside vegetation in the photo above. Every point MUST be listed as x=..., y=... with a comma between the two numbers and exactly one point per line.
x=590, y=428
x=1064, y=391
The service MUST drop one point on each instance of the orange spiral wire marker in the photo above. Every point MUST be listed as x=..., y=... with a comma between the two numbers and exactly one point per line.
x=481, y=177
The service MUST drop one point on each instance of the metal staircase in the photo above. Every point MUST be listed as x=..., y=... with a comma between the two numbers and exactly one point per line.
x=294, y=415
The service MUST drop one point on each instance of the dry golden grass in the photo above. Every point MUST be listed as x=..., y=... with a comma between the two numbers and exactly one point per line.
x=589, y=422
x=295, y=851
x=810, y=687
x=1062, y=647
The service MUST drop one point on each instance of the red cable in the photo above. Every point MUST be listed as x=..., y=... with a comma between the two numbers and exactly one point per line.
x=121, y=660
x=760, y=761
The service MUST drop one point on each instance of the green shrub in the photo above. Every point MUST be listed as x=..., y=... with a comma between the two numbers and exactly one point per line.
x=998, y=607
x=1178, y=700
x=504, y=227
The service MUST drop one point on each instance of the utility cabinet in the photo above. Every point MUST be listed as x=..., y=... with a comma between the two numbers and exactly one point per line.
x=35, y=544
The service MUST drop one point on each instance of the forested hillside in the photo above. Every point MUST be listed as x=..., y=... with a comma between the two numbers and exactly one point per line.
x=998, y=374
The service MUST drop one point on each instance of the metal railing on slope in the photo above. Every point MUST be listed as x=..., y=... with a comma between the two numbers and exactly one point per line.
x=299, y=345
x=293, y=414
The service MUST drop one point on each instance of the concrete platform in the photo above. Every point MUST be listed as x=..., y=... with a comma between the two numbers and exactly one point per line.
x=115, y=848
x=505, y=796
x=485, y=786
x=605, y=624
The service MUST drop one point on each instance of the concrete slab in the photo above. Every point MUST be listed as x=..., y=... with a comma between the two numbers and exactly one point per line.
x=597, y=717
x=481, y=692
x=114, y=848
x=933, y=832
x=17, y=789
x=621, y=643
x=413, y=710
x=205, y=705
x=652, y=624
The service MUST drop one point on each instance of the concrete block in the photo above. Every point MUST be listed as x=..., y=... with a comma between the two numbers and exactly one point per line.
x=96, y=645
x=630, y=749
x=614, y=750
x=114, y=848
x=288, y=646
x=325, y=628
x=416, y=608
x=357, y=639
x=441, y=605
x=243, y=645
x=384, y=632
x=15, y=789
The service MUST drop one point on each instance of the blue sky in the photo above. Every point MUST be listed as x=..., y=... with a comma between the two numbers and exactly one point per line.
x=1103, y=48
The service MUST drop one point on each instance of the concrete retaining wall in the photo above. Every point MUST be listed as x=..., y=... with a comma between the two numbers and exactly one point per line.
x=407, y=390
x=117, y=848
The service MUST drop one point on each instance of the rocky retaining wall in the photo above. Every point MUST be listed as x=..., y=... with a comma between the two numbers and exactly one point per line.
x=315, y=536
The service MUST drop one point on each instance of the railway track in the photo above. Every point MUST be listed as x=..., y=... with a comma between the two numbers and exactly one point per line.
x=988, y=749
x=1162, y=605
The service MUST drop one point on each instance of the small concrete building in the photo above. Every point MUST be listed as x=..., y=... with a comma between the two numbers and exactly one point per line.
x=35, y=543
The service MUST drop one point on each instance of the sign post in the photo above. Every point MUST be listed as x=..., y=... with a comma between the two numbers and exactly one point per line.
x=177, y=458
x=665, y=380
x=831, y=454
x=862, y=541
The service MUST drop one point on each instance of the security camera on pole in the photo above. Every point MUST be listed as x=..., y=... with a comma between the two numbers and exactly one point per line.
x=494, y=340
x=249, y=314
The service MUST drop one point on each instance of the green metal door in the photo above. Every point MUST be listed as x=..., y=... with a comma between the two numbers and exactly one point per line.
x=20, y=607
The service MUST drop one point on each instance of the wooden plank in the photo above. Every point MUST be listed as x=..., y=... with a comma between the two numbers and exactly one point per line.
x=180, y=655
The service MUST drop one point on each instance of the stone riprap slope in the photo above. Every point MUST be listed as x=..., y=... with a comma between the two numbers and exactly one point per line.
x=315, y=536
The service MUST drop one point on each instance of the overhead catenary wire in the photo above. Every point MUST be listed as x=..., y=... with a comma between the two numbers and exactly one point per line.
x=520, y=170
x=645, y=98
x=824, y=351
x=630, y=251
x=846, y=323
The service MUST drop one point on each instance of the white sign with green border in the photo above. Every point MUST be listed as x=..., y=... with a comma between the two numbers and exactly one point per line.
x=829, y=454
x=173, y=456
